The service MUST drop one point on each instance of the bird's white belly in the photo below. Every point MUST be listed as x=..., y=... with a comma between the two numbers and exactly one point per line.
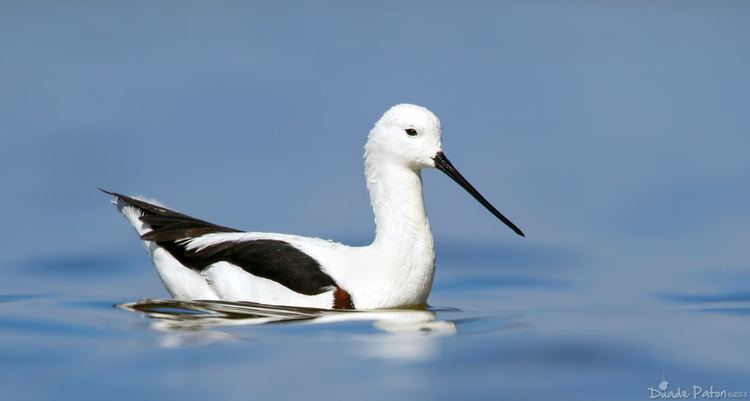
x=386, y=293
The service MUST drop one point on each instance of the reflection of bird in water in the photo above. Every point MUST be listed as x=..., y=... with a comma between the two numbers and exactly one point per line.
x=191, y=322
x=174, y=314
x=201, y=260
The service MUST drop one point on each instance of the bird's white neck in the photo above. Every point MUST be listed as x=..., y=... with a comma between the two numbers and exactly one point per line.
x=403, y=257
x=396, y=197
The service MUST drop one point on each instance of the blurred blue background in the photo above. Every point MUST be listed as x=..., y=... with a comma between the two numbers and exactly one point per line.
x=615, y=134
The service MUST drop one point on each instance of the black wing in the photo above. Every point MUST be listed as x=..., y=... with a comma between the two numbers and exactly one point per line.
x=271, y=259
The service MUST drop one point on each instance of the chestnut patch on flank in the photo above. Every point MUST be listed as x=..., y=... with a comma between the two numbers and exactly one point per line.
x=342, y=299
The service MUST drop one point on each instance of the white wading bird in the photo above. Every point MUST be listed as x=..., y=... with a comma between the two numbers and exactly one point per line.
x=201, y=260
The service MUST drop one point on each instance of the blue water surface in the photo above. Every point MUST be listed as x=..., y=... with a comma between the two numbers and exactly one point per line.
x=615, y=134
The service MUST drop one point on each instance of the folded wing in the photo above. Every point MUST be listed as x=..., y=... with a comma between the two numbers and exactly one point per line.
x=272, y=259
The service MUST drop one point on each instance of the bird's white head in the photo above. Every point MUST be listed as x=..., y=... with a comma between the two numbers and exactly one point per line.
x=406, y=134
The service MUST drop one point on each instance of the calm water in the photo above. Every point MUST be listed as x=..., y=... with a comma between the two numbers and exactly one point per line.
x=614, y=134
x=519, y=330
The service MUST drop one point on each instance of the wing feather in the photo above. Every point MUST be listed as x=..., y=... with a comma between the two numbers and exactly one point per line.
x=272, y=259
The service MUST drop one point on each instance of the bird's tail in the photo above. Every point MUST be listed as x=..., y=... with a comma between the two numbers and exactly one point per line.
x=133, y=208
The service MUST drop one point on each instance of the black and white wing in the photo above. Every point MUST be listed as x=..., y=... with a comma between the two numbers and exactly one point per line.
x=200, y=245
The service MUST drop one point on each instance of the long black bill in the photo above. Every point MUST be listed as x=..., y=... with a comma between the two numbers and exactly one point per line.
x=443, y=164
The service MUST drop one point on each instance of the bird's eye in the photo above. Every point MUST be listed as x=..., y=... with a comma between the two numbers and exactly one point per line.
x=411, y=132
